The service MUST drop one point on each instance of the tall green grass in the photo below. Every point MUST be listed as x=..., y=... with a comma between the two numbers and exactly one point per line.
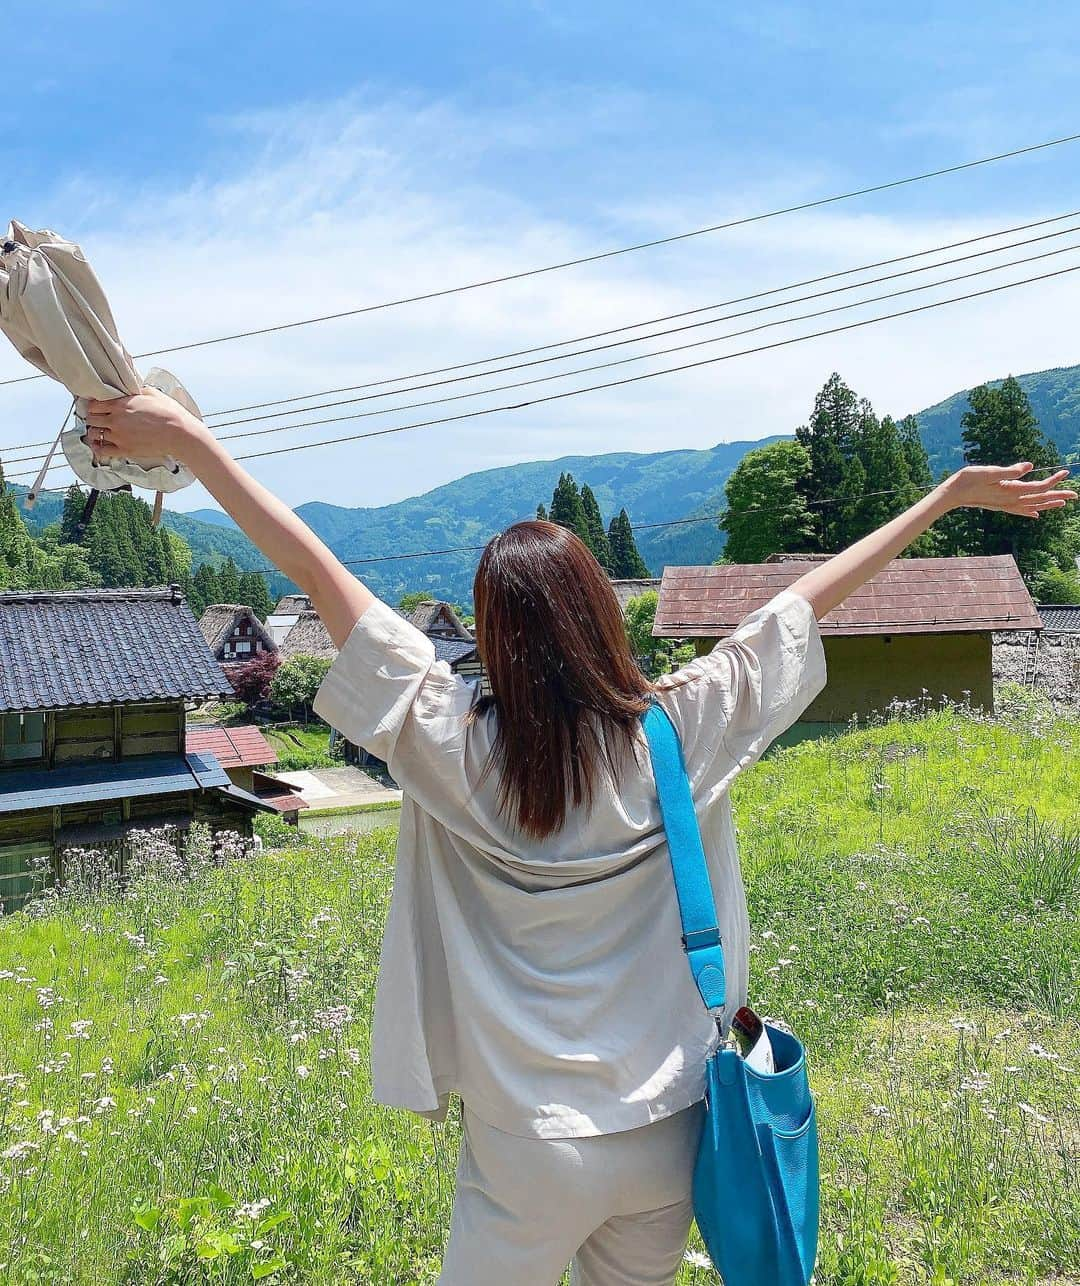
x=184, y=1088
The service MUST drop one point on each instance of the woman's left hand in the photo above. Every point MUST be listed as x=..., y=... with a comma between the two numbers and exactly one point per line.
x=145, y=425
x=1004, y=489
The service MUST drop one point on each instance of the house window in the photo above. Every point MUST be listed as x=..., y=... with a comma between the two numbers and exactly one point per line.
x=22, y=736
x=243, y=647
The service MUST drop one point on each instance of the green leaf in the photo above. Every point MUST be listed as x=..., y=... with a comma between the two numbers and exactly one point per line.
x=222, y=1199
x=272, y=1221
x=148, y=1218
x=267, y=1267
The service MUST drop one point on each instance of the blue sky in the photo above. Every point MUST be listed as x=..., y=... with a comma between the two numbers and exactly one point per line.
x=234, y=165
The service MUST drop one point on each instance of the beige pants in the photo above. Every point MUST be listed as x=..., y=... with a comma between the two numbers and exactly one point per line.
x=618, y=1205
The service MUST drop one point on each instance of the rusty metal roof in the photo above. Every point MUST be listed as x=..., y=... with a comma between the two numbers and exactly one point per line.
x=239, y=746
x=911, y=596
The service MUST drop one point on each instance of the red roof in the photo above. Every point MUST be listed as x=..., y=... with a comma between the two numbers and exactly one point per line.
x=274, y=791
x=243, y=747
x=911, y=596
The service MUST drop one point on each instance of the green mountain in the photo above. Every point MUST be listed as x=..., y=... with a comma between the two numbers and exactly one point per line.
x=210, y=541
x=654, y=488
x=467, y=512
x=1054, y=396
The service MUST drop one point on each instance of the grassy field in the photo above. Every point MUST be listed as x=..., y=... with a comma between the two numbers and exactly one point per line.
x=299, y=747
x=184, y=1070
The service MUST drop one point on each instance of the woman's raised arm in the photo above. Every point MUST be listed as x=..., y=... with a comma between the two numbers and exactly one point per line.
x=976, y=487
x=152, y=424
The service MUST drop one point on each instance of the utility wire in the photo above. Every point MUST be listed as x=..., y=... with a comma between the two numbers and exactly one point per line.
x=605, y=254
x=675, y=330
x=26, y=446
x=603, y=334
x=598, y=366
x=634, y=379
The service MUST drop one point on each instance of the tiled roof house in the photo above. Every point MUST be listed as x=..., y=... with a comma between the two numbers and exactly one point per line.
x=93, y=690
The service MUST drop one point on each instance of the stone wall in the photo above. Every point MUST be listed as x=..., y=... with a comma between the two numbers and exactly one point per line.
x=1057, y=673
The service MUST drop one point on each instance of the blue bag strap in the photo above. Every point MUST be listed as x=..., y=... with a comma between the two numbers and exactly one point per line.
x=701, y=935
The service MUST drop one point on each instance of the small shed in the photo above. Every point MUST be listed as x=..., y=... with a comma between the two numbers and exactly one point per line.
x=242, y=751
x=234, y=633
x=923, y=626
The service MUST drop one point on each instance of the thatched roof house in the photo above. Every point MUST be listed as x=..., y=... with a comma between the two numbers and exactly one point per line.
x=308, y=637
x=634, y=587
x=234, y=632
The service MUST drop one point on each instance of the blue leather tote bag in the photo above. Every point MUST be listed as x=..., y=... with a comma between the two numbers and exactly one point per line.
x=756, y=1174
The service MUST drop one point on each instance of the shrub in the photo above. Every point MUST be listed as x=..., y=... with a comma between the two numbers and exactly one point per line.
x=296, y=682
x=275, y=831
x=251, y=680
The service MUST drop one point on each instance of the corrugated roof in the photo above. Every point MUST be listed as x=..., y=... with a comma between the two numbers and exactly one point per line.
x=100, y=647
x=1060, y=619
x=911, y=596
x=234, y=747
x=272, y=790
x=22, y=788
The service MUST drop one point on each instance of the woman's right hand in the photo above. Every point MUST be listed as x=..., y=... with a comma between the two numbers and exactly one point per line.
x=989, y=486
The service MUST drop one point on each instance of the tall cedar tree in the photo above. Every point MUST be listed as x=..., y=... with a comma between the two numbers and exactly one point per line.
x=597, y=537
x=626, y=562
x=829, y=439
x=566, y=507
x=862, y=470
x=1000, y=428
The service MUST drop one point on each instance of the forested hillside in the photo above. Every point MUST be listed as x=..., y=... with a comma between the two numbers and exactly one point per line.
x=1054, y=396
x=654, y=488
x=116, y=546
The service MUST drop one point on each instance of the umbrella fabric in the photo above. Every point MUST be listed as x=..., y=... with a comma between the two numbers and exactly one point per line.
x=54, y=311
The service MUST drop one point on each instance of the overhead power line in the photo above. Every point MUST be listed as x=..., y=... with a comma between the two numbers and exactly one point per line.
x=786, y=289
x=634, y=379
x=598, y=366
x=763, y=294
x=616, y=330
x=817, y=203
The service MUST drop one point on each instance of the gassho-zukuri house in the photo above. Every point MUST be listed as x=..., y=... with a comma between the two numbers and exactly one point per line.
x=922, y=629
x=94, y=686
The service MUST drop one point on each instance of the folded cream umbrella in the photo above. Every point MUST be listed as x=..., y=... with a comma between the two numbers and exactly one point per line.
x=54, y=311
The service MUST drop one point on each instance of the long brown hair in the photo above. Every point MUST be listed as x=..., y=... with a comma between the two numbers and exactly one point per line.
x=565, y=688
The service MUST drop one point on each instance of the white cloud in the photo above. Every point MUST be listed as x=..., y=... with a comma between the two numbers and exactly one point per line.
x=336, y=205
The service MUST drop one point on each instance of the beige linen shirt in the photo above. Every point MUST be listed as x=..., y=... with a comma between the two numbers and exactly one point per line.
x=545, y=981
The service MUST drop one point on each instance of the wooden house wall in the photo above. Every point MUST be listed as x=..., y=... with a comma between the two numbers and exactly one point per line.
x=868, y=672
x=112, y=732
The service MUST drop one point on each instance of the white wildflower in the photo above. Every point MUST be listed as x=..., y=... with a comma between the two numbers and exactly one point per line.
x=253, y=1209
